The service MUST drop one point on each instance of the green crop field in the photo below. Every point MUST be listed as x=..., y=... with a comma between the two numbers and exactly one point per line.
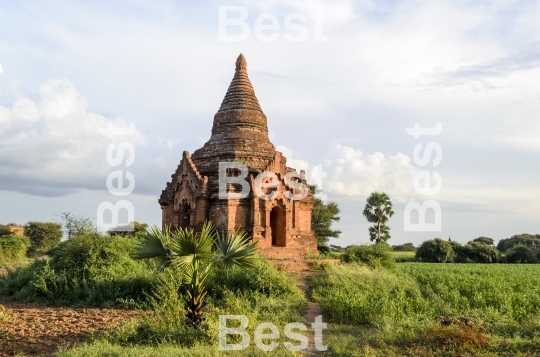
x=432, y=310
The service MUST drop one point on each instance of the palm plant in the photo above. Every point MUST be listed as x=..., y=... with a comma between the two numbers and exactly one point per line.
x=378, y=210
x=196, y=256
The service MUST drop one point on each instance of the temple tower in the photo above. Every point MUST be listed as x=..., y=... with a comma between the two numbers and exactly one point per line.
x=282, y=224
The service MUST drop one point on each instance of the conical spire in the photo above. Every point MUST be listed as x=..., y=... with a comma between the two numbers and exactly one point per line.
x=240, y=94
x=239, y=132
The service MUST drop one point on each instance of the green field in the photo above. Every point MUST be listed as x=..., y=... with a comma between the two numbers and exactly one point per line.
x=380, y=313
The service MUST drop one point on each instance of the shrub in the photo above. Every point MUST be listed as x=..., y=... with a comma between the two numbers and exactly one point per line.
x=373, y=255
x=89, y=269
x=520, y=254
x=44, y=235
x=13, y=247
x=436, y=251
x=407, y=247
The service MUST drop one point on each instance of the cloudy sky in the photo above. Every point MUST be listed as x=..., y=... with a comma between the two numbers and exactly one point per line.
x=338, y=98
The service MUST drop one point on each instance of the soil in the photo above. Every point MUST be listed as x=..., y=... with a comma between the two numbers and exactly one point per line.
x=38, y=330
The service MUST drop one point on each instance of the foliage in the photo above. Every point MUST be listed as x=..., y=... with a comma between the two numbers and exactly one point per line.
x=322, y=218
x=74, y=224
x=525, y=239
x=407, y=247
x=484, y=240
x=378, y=210
x=135, y=229
x=4, y=231
x=360, y=295
x=482, y=253
x=435, y=251
x=13, y=247
x=196, y=256
x=372, y=255
x=262, y=294
x=44, y=235
x=520, y=254
x=403, y=257
x=89, y=269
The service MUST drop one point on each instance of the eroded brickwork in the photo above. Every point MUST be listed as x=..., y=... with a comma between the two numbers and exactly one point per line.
x=282, y=226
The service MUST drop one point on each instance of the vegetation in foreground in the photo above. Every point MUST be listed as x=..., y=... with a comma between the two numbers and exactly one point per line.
x=432, y=310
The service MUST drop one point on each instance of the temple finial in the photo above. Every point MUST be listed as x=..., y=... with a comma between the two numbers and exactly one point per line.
x=241, y=62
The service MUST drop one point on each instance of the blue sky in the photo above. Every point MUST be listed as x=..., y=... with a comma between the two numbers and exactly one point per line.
x=68, y=68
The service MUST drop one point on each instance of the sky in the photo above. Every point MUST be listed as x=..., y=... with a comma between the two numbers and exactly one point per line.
x=339, y=94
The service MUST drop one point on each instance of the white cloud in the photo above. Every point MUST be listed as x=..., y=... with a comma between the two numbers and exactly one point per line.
x=1, y=69
x=350, y=172
x=353, y=173
x=54, y=143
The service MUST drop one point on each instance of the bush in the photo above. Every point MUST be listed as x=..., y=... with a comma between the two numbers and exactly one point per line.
x=436, y=251
x=373, y=255
x=44, y=235
x=89, y=269
x=520, y=254
x=13, y=247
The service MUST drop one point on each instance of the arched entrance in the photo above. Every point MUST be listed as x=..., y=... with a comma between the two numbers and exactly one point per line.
x=185, y=213
x=277, y=224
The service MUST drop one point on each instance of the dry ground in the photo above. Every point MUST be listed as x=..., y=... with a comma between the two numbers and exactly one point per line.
x=37, y=330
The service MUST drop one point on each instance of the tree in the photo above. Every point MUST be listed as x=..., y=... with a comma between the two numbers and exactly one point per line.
x=435, y=251
x=525, y=239
x=43, y=235
x=520, y=254
x=75, y=224
x=378, y=210
x=484, y=240
x=5, y=231
x=322, y=217
x=136, y=229
x=407, y=247
x=479, y=252
x=197, y=256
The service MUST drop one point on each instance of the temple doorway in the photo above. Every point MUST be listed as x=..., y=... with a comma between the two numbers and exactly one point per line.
x=185, y=214
x=277, y=224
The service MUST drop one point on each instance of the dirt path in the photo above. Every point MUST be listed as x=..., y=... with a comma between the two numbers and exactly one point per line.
x=303, y=281
x=38, y=330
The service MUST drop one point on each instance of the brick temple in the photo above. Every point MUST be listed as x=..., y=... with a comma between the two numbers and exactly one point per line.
x=281, y=225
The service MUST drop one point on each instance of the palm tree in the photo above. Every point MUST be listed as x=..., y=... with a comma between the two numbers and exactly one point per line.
x=196, y=256
x=378, y=210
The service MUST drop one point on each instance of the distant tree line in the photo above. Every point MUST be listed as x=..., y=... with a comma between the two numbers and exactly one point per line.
x=521, y=248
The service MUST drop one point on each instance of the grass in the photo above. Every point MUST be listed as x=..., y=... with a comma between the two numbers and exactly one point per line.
x=412, y=309
x=402, y=313
x=404, y=257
